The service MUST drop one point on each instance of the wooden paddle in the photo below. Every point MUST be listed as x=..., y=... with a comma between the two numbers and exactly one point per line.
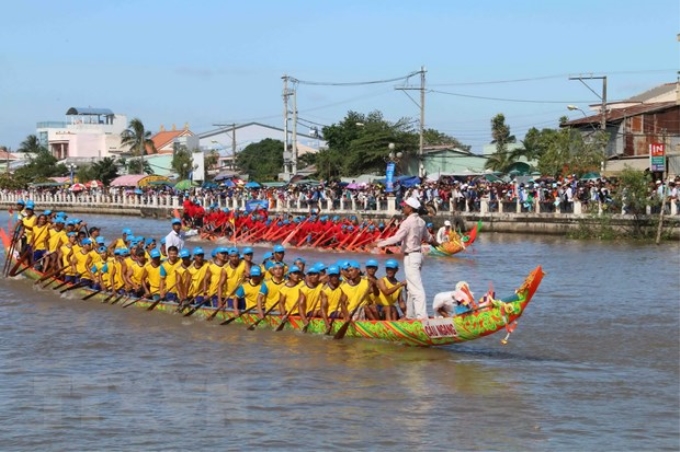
x=155, y=303
x=252, y=327
x=231, y=319
x=49, y=275
x=61, y=285
x=113, y=294
x=343, y=329
x=135, y=300
x=31, y=266
x=120, y=297
x=73, y=287
x=10, y=252
x=283, y=321
x=87, y=297
x=196, y=308
x=19, y=262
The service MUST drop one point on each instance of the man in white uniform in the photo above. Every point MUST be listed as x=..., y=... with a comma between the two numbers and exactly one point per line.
x=176, y=236
x=445, y=303
x=411, y=233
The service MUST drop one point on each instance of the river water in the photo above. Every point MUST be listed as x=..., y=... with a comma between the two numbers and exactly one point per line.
x=593, y=365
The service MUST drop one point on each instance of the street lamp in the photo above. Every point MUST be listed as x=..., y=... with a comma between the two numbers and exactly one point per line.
x=574, y=108
x=71, y=167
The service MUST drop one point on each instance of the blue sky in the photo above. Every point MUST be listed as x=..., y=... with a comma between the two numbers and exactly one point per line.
x=215, y=61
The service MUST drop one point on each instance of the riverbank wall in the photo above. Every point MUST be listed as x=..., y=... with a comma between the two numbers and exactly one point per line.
x=509, y=221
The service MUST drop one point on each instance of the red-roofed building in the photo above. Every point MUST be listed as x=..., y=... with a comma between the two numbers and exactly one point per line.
x=165, y=140
x=635, y=123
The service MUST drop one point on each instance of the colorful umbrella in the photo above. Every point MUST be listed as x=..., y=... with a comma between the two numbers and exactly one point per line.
x=77, y=187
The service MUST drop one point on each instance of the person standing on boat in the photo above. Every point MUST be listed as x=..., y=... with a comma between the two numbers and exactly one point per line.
x=176, y=236
x=411, y=233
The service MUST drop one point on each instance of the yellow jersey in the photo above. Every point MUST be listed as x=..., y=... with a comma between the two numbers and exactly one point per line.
x=250, y=292
x=234, y=277
x=56, y=240
x=171, y=274
x=389, y=300
x=273, y=292
x=41, y=235
x=215, y=272
x=66, y=253
x=354, y=293
x=29, y=223
x=312, y=296
x=136, y=272
x=197, y=277
x=120, y=268
x=289, y=298
x=154, y=275
x=82, y=261
x=333, y=295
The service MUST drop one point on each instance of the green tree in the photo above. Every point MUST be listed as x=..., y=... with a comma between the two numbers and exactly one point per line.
x=104, y=170
x=502, y=159
x=212, y=160
x=137, y=139
x=31, y=144
x=566, y=151
x=40, y=167
x=359, y=143
x=182, y=162
x=139, y=166
x=262, y=160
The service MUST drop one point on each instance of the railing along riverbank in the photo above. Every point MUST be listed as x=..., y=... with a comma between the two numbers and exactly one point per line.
x=498, y=216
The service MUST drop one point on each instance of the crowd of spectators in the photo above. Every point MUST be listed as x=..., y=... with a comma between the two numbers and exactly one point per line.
x=448, y=194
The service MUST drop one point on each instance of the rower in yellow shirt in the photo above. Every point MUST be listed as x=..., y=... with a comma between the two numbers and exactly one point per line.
x=135, y=272
x=332, y=297
x=310, y=290
x=67, y=251
x=215, y=272
x=356, y=289
x=153, y=276
x=172, y=279
x=198, y=272
x=233, y=274
x=251, y=293
x=40, y=242
x=289, y=294
x=273, y=285
x=57, y=238
x=83, y=263
x=391, y=291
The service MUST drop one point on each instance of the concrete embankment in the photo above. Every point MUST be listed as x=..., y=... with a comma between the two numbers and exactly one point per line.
x=519, y=223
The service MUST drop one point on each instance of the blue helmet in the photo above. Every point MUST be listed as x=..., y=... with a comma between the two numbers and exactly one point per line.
x=333, y=270
x=392, y=263
x=198, y=250
x=279, y=249
x=247, y=250
x=255, y=271
x=184, y=253
x=155, y=253
x=372, y=263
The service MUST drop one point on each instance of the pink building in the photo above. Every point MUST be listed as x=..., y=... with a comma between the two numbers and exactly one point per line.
x=87, y=134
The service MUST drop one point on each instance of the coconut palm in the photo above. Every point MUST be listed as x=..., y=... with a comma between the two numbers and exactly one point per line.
x=137, y=138
x=31, y=144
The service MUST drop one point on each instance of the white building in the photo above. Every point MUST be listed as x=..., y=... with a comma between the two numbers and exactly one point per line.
x=86, y=135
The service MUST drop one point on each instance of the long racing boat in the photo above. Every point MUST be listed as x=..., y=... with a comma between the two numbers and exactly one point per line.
x=487, y=318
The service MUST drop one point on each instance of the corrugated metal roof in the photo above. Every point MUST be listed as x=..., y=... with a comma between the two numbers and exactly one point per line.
x=652, y=93
x=619, y=114
x=89, y=111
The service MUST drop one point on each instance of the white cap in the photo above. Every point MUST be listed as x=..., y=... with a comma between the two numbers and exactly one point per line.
x=447, y=223
x=412, y=202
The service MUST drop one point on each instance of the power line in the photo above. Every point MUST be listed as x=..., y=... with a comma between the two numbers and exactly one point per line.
x=501, y=99
x=544, y=77
x=372, y=82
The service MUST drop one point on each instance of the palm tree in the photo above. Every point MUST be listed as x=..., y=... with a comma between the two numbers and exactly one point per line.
x=502, y=159
x=105, y=170
x=31, y=144
x=138, y=139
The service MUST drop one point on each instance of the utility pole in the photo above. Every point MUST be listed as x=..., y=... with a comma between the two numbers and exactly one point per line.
x=421, y=105
x=286, y=92
x=293, y=171
x=233, y=141
x=603, y=108
x=603, y=96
